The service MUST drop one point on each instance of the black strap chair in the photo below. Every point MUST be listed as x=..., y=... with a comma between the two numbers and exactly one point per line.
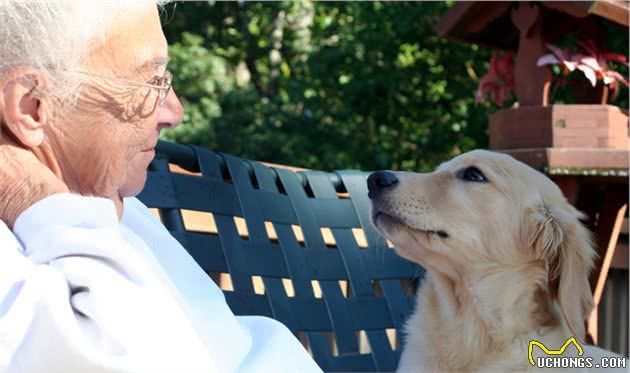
x=333, y=296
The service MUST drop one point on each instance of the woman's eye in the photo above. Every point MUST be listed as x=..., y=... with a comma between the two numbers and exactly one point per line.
x=472, y=174
x=156, y=80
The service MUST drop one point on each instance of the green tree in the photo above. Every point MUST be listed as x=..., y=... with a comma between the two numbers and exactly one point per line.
x=327, y=85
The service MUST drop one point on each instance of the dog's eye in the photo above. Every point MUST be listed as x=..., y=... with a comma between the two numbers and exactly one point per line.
x=472, y=174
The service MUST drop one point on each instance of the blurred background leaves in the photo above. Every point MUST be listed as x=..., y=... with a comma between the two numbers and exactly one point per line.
x=328, y=85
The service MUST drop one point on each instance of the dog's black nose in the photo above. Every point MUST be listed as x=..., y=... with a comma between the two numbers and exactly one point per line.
x=380, y=180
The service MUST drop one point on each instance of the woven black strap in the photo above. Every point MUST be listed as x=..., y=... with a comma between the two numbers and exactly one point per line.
x=330, y=320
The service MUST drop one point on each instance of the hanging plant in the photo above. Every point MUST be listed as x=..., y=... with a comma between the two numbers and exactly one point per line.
x=499, y=81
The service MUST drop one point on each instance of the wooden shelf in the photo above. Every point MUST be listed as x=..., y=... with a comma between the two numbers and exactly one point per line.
x=575, y=161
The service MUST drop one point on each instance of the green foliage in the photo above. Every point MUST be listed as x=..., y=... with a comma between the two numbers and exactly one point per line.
x=325, y=85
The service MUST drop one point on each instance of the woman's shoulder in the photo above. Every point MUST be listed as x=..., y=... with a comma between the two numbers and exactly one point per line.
x=135, y=212
x=133, y=206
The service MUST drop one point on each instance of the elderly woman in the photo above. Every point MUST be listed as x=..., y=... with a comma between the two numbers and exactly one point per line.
x=89, y=280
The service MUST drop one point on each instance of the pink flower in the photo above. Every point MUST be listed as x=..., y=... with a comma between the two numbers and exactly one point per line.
x=499, y=81
x=593, y=63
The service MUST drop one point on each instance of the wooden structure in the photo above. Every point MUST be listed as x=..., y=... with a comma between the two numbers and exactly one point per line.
x=584, y=148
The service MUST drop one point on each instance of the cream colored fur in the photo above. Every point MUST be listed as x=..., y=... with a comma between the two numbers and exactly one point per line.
x=514, y=267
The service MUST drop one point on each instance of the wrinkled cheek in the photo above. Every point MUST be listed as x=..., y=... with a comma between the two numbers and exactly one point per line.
x=102, y=176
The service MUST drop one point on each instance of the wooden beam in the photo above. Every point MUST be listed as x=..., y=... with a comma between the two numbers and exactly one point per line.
x=615, y=11
x=574, y=159
x=465, y=19
x=577, y=9
x=452, y=17
x=609, y=250
x=482, y=23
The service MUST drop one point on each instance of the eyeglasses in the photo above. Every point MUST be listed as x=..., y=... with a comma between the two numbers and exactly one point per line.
x=161, y=84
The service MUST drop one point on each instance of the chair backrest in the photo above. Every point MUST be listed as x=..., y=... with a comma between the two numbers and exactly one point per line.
x=306, y=255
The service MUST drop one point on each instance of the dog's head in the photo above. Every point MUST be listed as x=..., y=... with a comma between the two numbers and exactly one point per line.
x=488, y=208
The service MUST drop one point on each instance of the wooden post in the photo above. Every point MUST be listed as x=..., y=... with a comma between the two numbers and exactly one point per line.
x=531, y=83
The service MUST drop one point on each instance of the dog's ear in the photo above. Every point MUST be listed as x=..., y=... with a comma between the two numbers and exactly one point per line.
x=559, y=238
x=543, y=233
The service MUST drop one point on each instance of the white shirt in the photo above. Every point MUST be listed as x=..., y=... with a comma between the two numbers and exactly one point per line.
x=82, y=292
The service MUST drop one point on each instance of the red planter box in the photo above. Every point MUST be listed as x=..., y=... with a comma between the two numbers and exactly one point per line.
x=559, y=126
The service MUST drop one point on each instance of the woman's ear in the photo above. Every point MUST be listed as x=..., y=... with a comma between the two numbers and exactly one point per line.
x=566, y=245
x=20, y=105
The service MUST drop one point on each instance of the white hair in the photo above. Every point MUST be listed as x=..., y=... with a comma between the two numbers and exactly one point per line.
x=54, y=36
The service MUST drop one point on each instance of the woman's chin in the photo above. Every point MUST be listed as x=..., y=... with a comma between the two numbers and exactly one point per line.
x=136, y=178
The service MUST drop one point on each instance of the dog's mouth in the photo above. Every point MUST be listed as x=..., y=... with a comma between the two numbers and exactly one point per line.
x=392, y=219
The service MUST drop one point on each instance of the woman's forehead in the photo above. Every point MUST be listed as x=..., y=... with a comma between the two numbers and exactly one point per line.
x=133, y=41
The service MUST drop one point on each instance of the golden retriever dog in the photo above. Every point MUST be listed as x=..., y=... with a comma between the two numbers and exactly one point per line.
x=507, y=262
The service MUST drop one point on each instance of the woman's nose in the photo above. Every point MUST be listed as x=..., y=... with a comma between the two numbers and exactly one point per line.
x=171, y=113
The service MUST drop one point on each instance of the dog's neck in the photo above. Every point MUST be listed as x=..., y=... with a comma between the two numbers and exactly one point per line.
x=495, y=304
